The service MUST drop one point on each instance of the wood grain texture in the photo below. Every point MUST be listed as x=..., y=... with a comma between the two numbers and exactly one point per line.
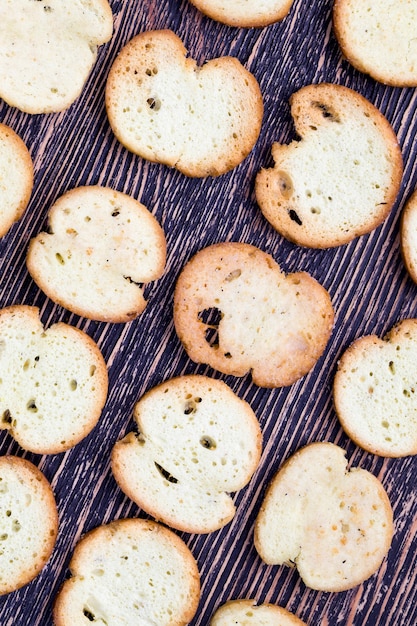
x=367, y=281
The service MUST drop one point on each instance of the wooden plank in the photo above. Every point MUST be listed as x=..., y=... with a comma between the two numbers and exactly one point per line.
x=367, y=281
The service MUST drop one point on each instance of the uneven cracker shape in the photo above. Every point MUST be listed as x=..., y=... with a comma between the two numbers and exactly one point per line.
x=197, y=442
x=340, y=178
x=53, y=382
x=249, y=613
x=379, y=38
x=375, y=391
x=131, y=571
x=201, y=120
x=47, y=50
x=235, y=310
x=28, y=522
x=245, y=13
x=408, y=235
x=16, y=178
x=101, y=248
x=333, y=524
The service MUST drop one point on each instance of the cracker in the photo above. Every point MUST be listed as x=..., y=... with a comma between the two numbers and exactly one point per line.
x=379, y=38
x=101, y=248
x=235, y=310
x=340, y=179
x=245, y=13
x=375, y=391
x=28, y=522
x=47, y=50
x=196, y=442
x=16, y=178
x=162, y=106
x=53, y=382
x=334, y=524
x=408, y=235
x=131, y=571
x=248, y=612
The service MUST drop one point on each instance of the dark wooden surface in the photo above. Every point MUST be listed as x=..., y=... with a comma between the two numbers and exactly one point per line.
x=366, y=279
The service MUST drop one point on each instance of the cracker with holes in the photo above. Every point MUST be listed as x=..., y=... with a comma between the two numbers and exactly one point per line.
x=162, y=106
x=375, y=391
x=248, y=613
x=53, y=383
x=235, y=310
x=334, y=524
x=245, y=13
x=101, y=248
x=340, y=178
x=16, y=178
x=379, y=38
x=28, y=522
x=408, y=235
x=196, y=442
x=48, y=49
x=131, y=571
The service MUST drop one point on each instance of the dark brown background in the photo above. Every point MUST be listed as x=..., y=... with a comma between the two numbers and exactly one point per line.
x=366, y=279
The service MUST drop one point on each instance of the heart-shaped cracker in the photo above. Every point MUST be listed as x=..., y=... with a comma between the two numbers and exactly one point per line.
x=100, y=249
x=197, y=442
x=53, y=382
x=375, y=391
x=47, y=50
x=333, y=524
x=235, y=310
x=342, y=175
x=162, y=106
x=16, y=178
x=131, y=571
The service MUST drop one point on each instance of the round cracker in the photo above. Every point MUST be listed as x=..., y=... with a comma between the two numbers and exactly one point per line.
x=408, y=235
x=130, y=571
x=101, y=249
x=334, y=524
x=197, y=442
x=47, y=50
x=235, y=310
x=54, y=381
x=249, y=613
x=161, y=106
x=379, y=39
x=375, y=391
x=340, y=179
x=28, y=522
x=245, y=13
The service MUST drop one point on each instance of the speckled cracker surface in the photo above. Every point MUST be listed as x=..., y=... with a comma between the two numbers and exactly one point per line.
x=340, y=178
x=196, y=443
x=28, y=522
x=235, y=310
x=101, y=248
x=131, y=571
x=245, y=13
x=202, y=120
x=375, y=391
x=334, y=524
x=47, y=50
x=16, y=178
x=249, y=613
x=53, y=382
x=379, y=38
